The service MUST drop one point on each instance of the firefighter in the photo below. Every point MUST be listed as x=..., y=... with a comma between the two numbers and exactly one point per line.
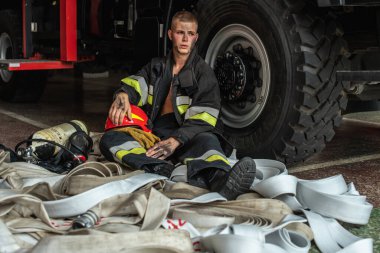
x=181, y=97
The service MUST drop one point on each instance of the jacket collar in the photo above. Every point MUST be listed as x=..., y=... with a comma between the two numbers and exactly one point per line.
x=185, y=76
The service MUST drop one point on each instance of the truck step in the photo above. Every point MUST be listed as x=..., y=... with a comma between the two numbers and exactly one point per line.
x=358, y=75
x=27, y=64
x=326, y=3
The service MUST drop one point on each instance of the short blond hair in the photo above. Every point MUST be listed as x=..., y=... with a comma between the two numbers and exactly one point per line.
x=184, y=16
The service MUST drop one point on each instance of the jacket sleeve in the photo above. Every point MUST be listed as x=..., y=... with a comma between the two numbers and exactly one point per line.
x=136, y=86
x=203, y=113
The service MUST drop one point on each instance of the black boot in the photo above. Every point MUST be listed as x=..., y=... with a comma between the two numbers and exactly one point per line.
x=237, y=181
x=163, y=169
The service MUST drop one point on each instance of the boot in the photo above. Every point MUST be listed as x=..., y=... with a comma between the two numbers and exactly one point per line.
x=239, y=179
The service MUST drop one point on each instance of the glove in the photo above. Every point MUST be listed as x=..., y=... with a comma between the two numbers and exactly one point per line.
x=146, y=140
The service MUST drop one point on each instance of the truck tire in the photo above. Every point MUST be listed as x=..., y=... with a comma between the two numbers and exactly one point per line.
x=17, y=86
x=275, y=63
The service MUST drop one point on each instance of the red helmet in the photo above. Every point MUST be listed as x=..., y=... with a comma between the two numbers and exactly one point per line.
x=139, y=119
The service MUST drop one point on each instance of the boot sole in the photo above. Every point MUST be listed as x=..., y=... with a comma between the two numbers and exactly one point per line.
x=240, y=180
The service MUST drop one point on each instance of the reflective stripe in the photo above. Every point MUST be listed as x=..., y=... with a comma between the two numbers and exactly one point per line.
x=205, y=117
x=150, y=95
x=139, y=84
x=126, y=146
x=151, y=88
x=182, y=108
x=217, y=158
x=150, y=99
x=183, y=100
x=206, y=114
x=210, y=156
x=136, y=151
x=200, y=109
x=183, y=103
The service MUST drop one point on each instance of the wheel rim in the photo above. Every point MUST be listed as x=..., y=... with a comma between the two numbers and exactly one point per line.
x=6, y=52
x=233, y=115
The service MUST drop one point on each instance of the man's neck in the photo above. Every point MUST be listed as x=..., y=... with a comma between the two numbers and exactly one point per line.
x=179, y=62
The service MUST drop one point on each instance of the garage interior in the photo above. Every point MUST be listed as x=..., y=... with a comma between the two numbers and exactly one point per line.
x=354, y=152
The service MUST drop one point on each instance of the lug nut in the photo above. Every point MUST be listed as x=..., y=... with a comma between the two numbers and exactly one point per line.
x=252, y=98
x=259, y=83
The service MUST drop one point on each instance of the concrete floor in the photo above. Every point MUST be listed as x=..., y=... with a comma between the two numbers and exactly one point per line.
x=354, y=152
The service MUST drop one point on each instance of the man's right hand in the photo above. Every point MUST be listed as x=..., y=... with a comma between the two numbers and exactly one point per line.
x=119, y=108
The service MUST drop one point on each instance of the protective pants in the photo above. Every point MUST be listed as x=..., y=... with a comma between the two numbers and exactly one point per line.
x=203, y=154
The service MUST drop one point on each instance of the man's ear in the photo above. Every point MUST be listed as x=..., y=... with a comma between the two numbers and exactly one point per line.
x=170, y=34
x=196, y=37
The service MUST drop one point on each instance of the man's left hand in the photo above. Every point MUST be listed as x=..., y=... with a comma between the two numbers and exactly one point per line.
x=163, y=149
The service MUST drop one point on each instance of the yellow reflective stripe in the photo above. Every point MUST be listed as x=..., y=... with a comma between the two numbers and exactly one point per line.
x=211, y=158
x=182, y=108
x=217, y=158
x=135, y=85
x=193, y=110
x=137, y=151
x=183, y=103
x=150, y=99
x=206, y=117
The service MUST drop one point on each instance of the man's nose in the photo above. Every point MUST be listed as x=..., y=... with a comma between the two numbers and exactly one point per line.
x=185, y=37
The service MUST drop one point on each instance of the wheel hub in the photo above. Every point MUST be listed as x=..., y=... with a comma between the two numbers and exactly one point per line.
x=244, y=99
x=237, y=74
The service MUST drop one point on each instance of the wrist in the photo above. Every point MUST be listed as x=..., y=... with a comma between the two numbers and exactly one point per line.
x=176, y=141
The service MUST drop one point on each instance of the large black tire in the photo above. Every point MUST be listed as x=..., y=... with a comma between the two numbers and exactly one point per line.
x=23, y=86
x=300, y=101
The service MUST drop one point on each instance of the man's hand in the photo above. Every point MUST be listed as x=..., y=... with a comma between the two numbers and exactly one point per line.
x=163, y=149
x=119, y=108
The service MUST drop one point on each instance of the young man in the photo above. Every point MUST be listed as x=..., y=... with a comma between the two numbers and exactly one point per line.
x=180, y=95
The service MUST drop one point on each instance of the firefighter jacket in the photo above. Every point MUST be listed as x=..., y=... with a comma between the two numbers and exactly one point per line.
x=195, y=94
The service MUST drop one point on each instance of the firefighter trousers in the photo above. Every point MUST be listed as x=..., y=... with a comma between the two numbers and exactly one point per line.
x=203, y=154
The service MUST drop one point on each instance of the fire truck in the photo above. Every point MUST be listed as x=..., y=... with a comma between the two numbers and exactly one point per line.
x=286, y=68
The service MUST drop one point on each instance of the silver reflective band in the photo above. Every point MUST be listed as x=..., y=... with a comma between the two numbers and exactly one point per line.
x=207, y=155
x=179, y=174
x=151, y=89
x=125, y=146
x=183, y=100
x=143, y=88
x=194, y=110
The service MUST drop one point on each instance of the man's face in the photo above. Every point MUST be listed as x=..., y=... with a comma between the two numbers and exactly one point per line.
x=183, y=36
